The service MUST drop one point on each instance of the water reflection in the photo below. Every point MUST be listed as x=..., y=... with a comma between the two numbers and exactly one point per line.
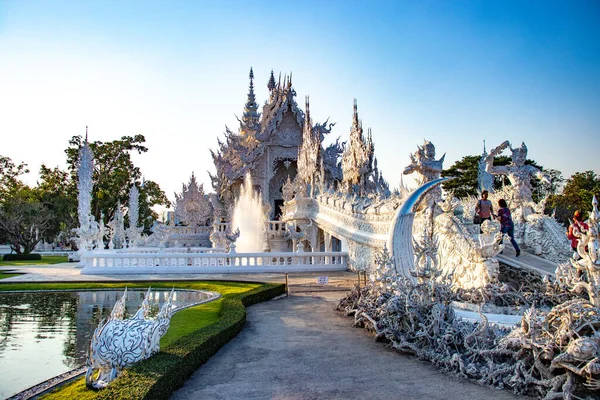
x=44, y=334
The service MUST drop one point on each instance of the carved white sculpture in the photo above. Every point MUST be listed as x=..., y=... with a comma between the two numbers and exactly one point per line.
x=485, y=180
x=539, y=232
x=359, y=165
x=117, y=229
x=88, y=228
x=587, y=267
x=192, y=206
x=118, y=342
x=517, y=172
x=134, y=232
x=428, y=169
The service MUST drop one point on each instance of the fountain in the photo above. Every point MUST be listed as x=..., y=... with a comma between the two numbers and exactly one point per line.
x=249, y=218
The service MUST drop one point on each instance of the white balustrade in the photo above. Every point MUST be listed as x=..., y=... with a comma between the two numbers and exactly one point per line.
x=96, y=263
x=190, y=230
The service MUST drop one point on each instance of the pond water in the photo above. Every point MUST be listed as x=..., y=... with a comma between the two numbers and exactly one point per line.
x=44, y=334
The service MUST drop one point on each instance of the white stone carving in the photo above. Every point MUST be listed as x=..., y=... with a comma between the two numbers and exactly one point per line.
x=117, y=229
x=134, y=232
x=119, y=342
x=192, y=206
x=88, y=228
x=540, y=233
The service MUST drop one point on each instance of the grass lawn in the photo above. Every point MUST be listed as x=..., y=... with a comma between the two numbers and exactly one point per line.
x=193, y=336
x=4, y=275
x=46, y=260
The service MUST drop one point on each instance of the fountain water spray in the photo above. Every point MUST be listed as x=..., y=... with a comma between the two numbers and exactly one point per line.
x=249, y=217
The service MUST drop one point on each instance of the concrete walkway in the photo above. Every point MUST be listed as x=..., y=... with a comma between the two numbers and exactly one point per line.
x=298, y=348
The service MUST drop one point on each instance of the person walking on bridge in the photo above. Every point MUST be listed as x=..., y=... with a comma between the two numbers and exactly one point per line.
x=506, y=224
x=484, y=209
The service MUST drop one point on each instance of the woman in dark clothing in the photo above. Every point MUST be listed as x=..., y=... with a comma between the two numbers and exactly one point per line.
x=506, y=224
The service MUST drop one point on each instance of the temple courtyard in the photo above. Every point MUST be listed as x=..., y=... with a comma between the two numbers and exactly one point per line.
x=298, y=347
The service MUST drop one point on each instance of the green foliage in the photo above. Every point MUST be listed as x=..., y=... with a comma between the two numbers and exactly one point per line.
x=183, y=348
x=24, y=219
x=466, y=172
x=58, y=192
x=4, y=275
x=579, y=190
x=114, y=174
x=21, y=257
x=9, y=175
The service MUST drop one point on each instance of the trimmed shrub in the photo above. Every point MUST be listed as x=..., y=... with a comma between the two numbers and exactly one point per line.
x=160, y=375
x=22, y=257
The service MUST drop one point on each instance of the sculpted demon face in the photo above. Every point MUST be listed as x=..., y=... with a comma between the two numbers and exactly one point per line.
x=519, y=155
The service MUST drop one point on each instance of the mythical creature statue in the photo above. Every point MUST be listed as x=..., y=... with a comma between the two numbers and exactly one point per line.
x=117, y=229
x=517, y=172
x=423, y=162
x=466, y=262
x=119, y=342
x=160, y=235
x=87, y=234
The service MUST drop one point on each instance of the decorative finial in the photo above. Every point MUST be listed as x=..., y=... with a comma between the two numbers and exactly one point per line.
x=355, y=115
x=86, y=133
x=484, y=150
x=271, y=84
x=250, y=116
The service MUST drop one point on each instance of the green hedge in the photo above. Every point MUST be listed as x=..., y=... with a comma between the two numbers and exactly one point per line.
x=166, y=371
x=22, y=257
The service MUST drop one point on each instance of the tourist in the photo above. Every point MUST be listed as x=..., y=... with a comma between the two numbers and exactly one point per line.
x=507, y=225
x=484, y=209
x=576, y=228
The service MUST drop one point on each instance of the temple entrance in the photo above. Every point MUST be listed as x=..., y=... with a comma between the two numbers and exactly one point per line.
x=277, y=209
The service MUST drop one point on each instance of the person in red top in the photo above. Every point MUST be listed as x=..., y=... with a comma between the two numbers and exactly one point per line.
x=576, y=228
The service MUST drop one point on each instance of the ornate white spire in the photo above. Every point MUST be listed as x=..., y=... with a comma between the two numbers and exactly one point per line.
x=250, y=117
x=271, y=85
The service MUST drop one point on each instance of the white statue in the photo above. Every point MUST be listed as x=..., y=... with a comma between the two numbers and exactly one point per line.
x=517, y=172
x=423, y=162
x=428, y=169
x=118, y=342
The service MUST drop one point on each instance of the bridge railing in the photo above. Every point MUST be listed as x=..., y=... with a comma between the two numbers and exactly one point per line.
x=162, y=262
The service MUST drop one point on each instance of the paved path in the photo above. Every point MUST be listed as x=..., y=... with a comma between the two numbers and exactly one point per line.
x=300, y=348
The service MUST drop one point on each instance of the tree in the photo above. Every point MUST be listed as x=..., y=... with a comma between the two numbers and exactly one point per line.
x=58, y=192
x=466, y=171
x=9, y=175
x=555, y=185
x=150, y=195
x=24, y=220
x=114, y=174
x=577, y=195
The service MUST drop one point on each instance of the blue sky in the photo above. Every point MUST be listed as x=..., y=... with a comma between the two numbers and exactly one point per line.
x=453, y=72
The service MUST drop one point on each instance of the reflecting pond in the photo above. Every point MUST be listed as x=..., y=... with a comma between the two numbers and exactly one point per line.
x=44, y=334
